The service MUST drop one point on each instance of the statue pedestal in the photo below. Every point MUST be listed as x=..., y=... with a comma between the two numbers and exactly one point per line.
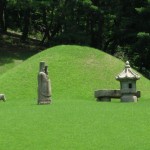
x=42, y=102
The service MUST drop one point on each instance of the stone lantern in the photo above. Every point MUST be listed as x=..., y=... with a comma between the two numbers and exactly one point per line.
x=127, y=80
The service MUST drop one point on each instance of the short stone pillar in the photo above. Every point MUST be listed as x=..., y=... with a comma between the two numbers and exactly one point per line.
x=127, y=80
x=2, y=97
x=44, y=85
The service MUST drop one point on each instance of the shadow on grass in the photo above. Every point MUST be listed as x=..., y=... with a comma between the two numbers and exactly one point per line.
x=8, y=56
x=11, y=48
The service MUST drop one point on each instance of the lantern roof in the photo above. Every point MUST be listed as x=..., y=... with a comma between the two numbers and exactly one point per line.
x=127, y=73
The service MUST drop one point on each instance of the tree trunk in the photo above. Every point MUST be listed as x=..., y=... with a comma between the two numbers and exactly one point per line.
x=46, y=36
x=106, y=44
x=100, y=31
x=46, y=28
x=3, y=27
x=26, y=25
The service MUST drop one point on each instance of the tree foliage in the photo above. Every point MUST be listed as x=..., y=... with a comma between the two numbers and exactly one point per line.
x=116, y=26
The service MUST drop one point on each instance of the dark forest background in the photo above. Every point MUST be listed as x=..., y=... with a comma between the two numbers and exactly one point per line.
x=118, y=27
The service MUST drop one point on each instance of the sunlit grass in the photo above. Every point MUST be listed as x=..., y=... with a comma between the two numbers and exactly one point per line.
x=74, y=120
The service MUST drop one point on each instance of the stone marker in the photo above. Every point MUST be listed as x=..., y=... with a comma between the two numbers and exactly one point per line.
x=127, y=80
x=44, y=85
x=2, y=97
x=127, y=92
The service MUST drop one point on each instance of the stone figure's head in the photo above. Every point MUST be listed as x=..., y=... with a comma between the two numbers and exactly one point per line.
x=42, y=66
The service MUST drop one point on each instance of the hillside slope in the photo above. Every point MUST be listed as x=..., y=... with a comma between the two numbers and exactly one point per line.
x=75, y=72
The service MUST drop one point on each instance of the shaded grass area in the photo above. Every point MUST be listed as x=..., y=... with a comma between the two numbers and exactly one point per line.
x=9, y=59
x=7, y=55
x=13, y=52
x=74, y=120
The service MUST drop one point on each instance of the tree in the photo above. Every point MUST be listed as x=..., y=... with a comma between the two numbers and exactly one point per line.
x=3, y=26
x=142, y=45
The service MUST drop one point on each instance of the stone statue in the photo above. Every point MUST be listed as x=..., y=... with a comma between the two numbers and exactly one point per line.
x=2, y=97
x=44, y=85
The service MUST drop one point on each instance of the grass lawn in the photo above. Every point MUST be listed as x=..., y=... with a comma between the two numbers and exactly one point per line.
x=74, y=120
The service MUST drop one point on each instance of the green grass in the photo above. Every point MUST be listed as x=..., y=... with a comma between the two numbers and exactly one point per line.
x=74, y=121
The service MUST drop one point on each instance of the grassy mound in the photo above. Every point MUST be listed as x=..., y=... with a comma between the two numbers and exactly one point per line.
x=74, y=120
x=75, y=72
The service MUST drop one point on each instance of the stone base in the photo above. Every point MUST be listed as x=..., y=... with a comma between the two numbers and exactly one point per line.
x=128, y=98
x=44, y=102
x=104, y=99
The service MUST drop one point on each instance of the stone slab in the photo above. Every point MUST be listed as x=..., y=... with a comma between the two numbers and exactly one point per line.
x=106, y=95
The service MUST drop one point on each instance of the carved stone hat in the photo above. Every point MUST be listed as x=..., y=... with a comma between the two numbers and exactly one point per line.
x=127, y=73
